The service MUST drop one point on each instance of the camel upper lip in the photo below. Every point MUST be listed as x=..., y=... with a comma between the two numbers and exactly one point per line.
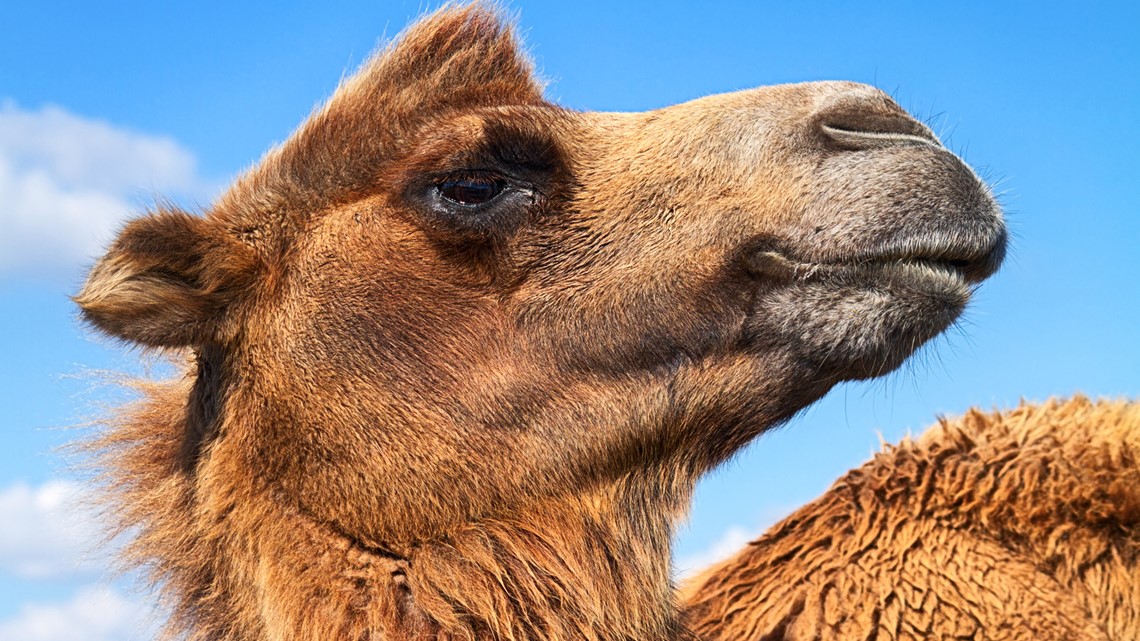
x=969, y=254
x=969, y=267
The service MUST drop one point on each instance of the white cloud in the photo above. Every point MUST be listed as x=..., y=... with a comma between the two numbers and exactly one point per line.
x=66, y=182
x=50, y=532
x=728, y=544
x=95, y=613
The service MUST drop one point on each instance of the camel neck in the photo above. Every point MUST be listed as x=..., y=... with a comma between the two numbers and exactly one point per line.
x=583, y=568
x=591, y=567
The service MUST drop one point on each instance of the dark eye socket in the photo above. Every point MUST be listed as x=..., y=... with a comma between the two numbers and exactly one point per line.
x=470, y=190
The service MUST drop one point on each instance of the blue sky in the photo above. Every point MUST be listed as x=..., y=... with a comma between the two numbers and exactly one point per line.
x=105, y=106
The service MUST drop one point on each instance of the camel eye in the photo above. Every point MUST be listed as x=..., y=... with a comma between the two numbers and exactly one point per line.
x=470, y=191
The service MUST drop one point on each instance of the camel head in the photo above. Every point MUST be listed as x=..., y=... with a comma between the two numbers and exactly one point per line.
x=445, y=297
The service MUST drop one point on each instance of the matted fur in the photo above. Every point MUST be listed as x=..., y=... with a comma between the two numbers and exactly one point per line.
x=995, y=526
x=405, y=415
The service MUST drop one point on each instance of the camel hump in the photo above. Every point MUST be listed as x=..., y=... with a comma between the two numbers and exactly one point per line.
x=1074, y=460
x=1024, y=519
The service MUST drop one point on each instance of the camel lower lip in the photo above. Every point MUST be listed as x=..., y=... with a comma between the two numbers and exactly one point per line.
x=776, y=266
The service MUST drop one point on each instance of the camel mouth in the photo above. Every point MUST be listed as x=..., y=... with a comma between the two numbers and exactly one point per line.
x=962, y=265
x=775, y=266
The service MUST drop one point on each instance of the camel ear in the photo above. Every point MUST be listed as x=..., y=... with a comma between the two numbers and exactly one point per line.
x=167, y=281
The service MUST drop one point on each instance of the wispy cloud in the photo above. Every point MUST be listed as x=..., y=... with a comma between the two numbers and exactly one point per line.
x=66, y=182
x=49, y=532
x=728, y=544
x=731, y=541
x=95, y=613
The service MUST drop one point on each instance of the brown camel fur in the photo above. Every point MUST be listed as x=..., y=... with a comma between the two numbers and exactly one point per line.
x=1016, y=525
x=458, y=355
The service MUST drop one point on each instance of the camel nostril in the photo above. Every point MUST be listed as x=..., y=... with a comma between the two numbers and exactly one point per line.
x=878, y=132
x=870, y=121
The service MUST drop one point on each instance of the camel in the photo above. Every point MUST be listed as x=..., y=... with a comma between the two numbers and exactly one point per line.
x=455, y=356
x=1001, y=526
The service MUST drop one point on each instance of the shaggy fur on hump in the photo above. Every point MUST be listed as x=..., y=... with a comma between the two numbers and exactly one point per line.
x=1016, y=525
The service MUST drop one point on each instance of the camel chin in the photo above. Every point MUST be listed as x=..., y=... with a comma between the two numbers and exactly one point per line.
x=862, y=321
